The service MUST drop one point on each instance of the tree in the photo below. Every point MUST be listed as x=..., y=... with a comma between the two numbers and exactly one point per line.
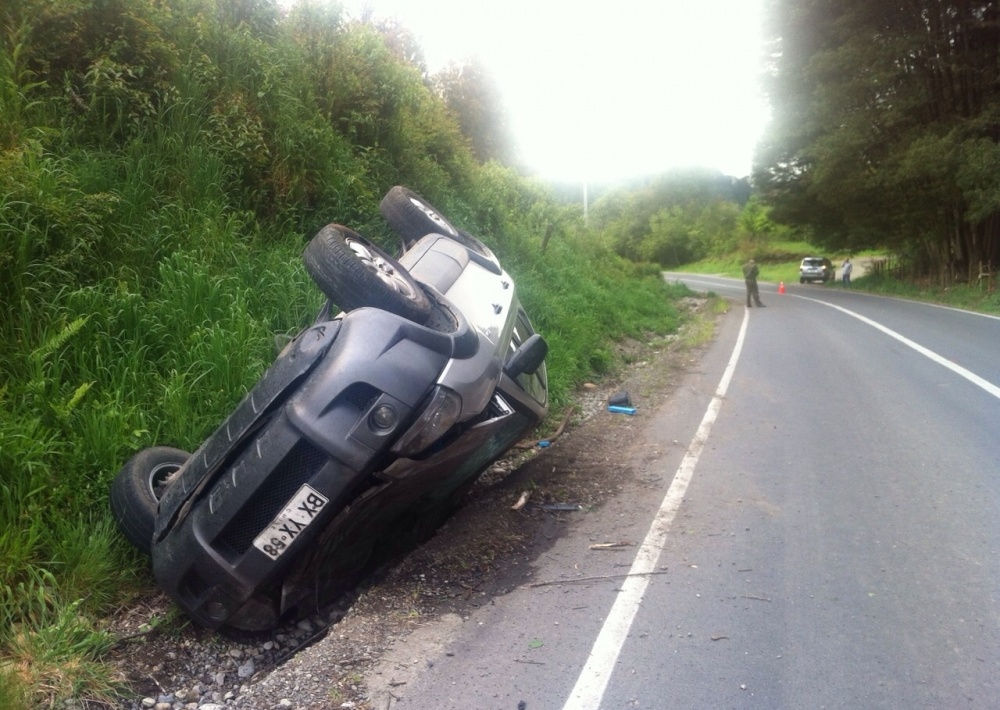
x=881, y=113
x=471, y=94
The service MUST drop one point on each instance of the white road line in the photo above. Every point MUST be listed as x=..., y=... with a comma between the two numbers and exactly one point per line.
x=590, y=686
x=972, y=377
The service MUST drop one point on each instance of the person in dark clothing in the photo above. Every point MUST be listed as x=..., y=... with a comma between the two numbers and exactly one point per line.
x=750, y=274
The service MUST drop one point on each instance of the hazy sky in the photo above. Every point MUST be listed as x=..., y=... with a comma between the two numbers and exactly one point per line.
x=611, y=89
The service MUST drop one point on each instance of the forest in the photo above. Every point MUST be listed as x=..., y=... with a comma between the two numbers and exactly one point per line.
x=885, y=122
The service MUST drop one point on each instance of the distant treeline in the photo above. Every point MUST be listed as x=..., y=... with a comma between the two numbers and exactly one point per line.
x=681, y=216
x=886, y=121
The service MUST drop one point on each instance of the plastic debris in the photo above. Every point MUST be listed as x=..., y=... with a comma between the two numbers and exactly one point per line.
x=621, y=410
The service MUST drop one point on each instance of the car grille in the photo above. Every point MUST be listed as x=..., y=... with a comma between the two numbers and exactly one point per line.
x=361, y=395
x=298, y=467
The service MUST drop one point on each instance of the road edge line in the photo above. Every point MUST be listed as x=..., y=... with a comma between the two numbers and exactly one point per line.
x=595, y=675
x=972, y=377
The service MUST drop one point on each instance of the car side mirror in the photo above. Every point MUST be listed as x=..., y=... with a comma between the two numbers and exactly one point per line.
x=527, y=358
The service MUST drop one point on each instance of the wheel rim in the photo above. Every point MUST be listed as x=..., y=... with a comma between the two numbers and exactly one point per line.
x=385, y=271
x=434, y=217
x=161, y=477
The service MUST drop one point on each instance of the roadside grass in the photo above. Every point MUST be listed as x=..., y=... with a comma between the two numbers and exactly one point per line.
x=93, y=373
x=972, y=297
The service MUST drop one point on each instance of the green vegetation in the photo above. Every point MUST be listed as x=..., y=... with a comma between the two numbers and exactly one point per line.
x=974, y=297
x=161, y=169
x=886, y=121
x=680, y=217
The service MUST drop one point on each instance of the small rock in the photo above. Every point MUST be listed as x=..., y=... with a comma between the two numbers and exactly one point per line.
x=285, y=703
x=246, y=670
x=148, y=702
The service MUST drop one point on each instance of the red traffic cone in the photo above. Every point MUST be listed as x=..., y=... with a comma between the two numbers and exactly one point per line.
x=781, y=287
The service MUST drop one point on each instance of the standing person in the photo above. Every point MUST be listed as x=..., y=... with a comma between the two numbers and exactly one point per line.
x=750, y=274
x=845, y=272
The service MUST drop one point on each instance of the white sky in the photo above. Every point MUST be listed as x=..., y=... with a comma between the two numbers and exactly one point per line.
x=607, y=90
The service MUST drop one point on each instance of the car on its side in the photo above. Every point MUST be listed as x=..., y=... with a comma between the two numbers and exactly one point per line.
x=364, y=434
x=816, y=268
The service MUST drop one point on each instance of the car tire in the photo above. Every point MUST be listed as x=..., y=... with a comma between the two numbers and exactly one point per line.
x=412, y=218
x=802, y=281
x=137, y=489
x=354, y=273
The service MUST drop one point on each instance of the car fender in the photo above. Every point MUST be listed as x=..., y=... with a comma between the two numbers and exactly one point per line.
x=278, y=381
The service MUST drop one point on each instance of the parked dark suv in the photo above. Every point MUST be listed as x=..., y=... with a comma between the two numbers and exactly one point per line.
x=816, y=268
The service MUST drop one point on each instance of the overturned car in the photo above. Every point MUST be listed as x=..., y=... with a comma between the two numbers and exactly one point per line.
x=369, y=427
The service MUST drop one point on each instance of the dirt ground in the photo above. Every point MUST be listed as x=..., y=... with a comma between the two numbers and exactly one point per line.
x=481, y=552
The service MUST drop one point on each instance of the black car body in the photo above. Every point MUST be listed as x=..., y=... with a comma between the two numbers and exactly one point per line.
x=368, y=426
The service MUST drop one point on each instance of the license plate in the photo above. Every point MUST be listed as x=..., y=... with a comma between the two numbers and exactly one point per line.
x=301, y=510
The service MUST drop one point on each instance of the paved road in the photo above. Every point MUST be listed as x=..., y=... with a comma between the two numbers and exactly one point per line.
x=820, y=507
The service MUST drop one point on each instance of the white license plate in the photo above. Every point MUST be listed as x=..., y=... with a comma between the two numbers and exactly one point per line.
x=301, y=510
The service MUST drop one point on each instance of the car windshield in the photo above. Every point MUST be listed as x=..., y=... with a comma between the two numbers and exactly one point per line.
x=812, y=262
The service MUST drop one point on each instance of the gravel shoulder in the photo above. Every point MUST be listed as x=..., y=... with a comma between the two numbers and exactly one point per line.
x=408, y=609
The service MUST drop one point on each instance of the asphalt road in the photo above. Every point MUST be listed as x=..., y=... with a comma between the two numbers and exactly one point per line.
x=818, y=504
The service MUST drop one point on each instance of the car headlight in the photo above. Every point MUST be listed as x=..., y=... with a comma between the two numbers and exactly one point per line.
x=436, y=418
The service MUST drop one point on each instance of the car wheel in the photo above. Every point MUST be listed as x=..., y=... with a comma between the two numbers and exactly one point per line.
x=354, y=273
x=412, y=217
x=137, y=489
x=802, y=281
